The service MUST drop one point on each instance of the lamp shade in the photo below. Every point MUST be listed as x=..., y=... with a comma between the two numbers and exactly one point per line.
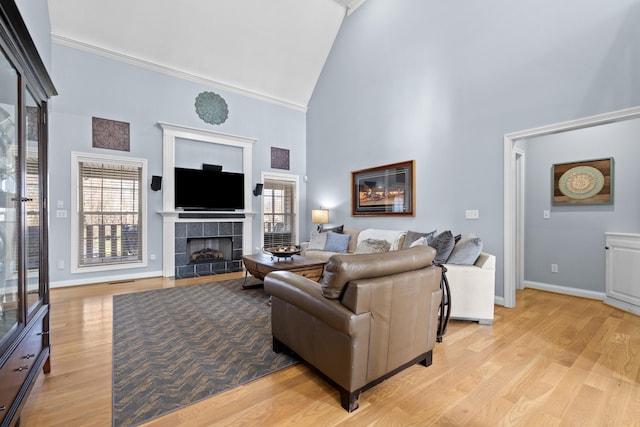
x=320, y=216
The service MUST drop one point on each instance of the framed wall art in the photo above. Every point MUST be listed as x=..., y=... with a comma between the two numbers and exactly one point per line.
x=384, y=190
x=110, y=134
x=588, y=182
x=279, y=158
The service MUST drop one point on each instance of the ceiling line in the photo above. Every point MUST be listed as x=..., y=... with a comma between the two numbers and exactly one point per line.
x=69, y=42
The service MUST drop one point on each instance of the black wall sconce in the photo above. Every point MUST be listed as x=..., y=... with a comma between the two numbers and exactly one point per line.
x=258, y=190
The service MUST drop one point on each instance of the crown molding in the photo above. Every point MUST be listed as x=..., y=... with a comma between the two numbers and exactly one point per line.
x=16, y=42
x=117, y=56
x=350, y=5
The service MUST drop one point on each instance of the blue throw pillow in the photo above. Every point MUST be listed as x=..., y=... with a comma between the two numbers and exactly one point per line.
x=337, y=242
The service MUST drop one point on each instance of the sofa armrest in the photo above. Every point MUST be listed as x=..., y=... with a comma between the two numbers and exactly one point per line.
x=473, y=289
x=362, y=296
x=343, y=268
x=305, y=294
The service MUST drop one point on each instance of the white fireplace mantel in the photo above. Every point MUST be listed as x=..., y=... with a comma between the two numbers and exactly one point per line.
x=171, y=134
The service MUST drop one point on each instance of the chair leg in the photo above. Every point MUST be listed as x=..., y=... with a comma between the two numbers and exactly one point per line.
x=349, y=400
x=428, y=359
x=278, y=347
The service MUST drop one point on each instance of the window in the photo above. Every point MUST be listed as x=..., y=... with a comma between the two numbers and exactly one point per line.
x=110, y=220
x=280, y=221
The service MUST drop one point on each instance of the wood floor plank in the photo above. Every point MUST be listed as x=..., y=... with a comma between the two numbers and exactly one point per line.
x=554, y=360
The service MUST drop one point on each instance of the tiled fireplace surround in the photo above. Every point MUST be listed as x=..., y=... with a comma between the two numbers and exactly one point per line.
x=212, y=231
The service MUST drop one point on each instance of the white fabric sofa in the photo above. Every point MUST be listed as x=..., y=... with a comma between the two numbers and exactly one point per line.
x=472, y=286
x=473, y=289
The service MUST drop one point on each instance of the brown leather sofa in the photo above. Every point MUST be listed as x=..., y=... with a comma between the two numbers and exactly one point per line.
x=369, y=317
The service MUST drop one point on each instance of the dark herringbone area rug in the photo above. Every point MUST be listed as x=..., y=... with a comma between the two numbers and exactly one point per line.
x=173, y=347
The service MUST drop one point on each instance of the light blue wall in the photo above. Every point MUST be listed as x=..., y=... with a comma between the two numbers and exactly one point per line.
x=90, y=85
x=35, y=14
x=573, y=236
x=442, y=82
x=406, y=79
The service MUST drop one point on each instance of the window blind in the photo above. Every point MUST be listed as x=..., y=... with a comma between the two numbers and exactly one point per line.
x=110, y=219
x=279, y=213
x=33, y=211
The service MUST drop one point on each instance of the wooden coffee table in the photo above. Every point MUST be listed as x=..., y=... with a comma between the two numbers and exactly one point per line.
x=260, y=265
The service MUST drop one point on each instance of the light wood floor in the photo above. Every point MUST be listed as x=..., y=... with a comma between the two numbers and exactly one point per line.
x=554, y=361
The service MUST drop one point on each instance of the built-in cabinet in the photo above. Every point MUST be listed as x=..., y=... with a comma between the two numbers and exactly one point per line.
x=623, y=271
x=25, y=88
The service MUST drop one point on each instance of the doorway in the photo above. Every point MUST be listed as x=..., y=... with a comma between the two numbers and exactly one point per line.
x=514, y=191
x=280, y=222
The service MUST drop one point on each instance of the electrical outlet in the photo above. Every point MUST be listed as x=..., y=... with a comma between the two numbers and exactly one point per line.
x=546, y=214
x=554, y=268
x=472, y=214
x=152, y=257
x=60, y=264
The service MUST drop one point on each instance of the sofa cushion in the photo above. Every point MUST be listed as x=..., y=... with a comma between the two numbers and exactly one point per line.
x=422, y=241
x=319, y=255
x=342, y=268
x=372, y=246
x=466, y=251
x=394, y=237
x=317, y=242
x=336, y=229
x=337, y=242
x=443, y=243
x=353, y=241
x=412, y=236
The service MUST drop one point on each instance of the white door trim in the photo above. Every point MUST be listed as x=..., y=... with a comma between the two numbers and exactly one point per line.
x=519, y=159
x=510, y=238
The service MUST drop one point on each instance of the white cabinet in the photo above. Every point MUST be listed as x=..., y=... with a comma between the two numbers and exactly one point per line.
x=623, y=271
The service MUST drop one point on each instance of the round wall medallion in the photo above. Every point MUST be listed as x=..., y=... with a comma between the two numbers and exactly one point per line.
x=581, y=182
x=211, y=108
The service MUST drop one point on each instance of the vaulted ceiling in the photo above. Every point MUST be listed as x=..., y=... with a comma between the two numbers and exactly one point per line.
x=270, y=49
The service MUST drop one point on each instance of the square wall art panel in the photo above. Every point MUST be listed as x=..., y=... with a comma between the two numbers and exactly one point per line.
x=110, y=134
x=279, y=158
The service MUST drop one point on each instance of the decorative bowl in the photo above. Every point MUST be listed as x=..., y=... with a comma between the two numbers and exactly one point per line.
x=283, y=251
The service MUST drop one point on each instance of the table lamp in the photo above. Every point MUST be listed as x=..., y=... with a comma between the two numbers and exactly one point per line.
x=320, y=216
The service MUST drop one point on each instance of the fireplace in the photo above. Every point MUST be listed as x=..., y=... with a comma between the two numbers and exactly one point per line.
x=209, y=249
x=206, y=248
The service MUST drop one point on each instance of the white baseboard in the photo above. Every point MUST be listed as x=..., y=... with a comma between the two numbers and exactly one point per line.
x=622, y=305
x=565, y=290
x=498, y=300
x=103, y=279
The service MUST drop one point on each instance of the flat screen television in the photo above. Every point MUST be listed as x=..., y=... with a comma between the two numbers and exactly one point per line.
x=197, y=189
